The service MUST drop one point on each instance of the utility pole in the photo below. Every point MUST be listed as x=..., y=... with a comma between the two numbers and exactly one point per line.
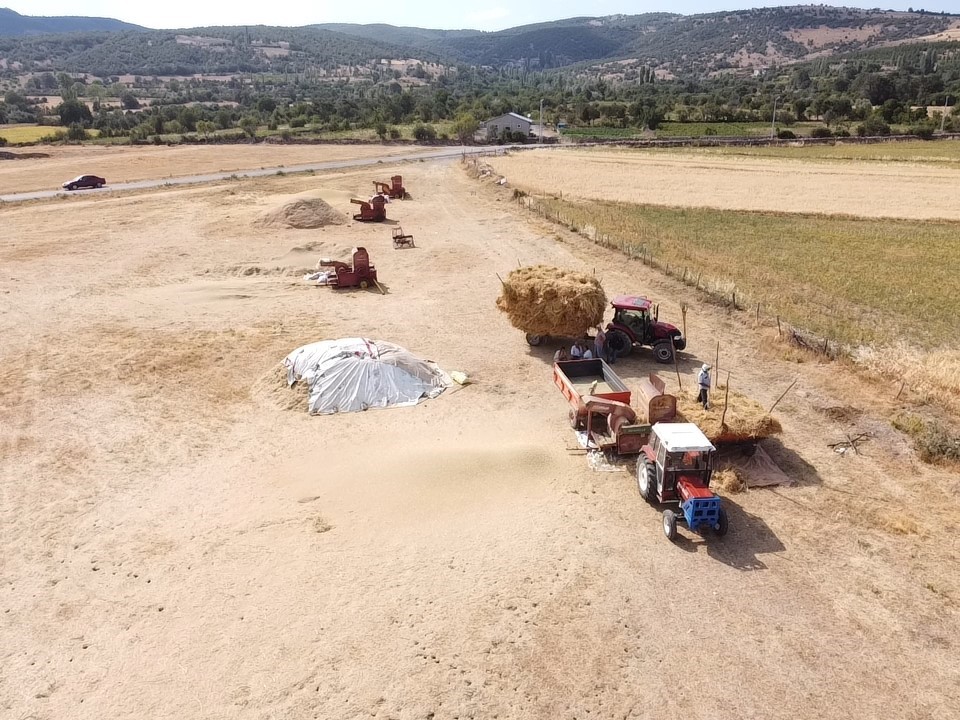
x=773, y=123
x=943, y=115
x=540, y=140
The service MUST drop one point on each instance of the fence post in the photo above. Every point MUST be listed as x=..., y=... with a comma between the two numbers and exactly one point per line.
x=716, y=367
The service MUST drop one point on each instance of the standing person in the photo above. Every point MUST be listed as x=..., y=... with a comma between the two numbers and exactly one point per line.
x=560, y=354
x=703, y=380
x=598, y=343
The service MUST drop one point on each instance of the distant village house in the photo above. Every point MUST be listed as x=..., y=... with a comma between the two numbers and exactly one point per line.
x=494, y=127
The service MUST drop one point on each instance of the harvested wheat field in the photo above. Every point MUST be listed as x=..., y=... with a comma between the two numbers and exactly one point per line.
x=704, y=180
x=177, y=543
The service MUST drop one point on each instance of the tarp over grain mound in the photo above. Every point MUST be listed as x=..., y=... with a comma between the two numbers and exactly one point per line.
x=745, y=420
x=544, y=300
x=301, y=214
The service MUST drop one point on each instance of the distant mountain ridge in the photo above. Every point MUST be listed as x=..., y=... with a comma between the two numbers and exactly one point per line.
x=13, y=24
x=662, y=44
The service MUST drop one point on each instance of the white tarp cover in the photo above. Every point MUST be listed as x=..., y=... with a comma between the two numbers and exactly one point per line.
x=355, y=374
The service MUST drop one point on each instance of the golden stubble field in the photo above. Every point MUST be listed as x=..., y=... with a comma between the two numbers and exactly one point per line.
x=914, y=191
x=175, y=544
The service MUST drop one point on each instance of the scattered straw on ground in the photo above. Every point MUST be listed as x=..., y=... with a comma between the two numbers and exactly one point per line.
x=543, y=300
x=302, y=213
x=745, y=418
x=728, y=480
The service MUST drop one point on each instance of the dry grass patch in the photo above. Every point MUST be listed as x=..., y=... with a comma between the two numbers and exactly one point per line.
x=933, y=441
x=840, y=277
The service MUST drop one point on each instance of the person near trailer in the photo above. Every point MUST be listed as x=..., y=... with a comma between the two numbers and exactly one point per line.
x=601, y=349
x=576, y=351
x=703, y=380
x=560, y=355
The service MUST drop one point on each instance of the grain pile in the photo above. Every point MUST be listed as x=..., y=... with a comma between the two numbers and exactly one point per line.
x=543, y=300
x=745, y=419
x=274, y=388
x=300, y=214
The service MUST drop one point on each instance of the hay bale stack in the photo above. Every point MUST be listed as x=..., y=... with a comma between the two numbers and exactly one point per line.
x=300, y=214
x=543, y=300
x=746, y=420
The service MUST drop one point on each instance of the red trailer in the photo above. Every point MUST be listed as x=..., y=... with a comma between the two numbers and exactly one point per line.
x=600, y=405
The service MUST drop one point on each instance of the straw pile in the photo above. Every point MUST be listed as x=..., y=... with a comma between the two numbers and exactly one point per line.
x=745, y=420
x=543, y=300
x=728, y=480
x=300, y=214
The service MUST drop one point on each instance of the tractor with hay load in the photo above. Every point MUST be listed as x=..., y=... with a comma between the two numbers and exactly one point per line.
x=633, y=324
x=674, y=468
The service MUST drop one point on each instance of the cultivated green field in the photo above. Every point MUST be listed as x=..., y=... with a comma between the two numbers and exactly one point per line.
x=853, y=280
x=14, y=134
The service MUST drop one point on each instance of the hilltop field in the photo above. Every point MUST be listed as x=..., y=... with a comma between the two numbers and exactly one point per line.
x=177, y=543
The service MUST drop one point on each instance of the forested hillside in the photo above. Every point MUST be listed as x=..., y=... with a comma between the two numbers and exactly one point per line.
x=674, y=45
x=836, y=72
x=13, y=24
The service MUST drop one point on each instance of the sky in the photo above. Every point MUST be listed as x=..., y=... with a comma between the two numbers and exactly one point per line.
x=492, y=15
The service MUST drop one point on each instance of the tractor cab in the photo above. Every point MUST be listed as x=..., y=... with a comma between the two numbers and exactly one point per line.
x=675, y=466
x=633, y=313
x=633, y=324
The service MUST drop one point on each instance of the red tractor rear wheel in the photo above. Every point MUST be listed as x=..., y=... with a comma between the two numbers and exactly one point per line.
x=619, y=342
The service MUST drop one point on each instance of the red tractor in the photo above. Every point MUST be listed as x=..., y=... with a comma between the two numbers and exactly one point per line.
x=675, y=468
x=633, y=325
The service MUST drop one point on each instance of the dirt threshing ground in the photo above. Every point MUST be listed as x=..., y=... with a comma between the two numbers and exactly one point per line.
x=174, y=545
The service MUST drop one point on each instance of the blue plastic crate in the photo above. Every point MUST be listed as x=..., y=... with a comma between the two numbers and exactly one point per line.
x=701, y=511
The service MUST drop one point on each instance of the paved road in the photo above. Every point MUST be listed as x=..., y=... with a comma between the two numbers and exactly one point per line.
x=439, y=154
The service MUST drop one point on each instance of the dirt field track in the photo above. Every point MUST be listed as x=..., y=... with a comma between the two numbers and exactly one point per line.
x=121, y=164
x=176, y=545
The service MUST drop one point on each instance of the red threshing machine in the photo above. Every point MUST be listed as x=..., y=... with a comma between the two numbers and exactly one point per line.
x=362, y=274
x=600, y=405
x=395, y=190
x=373, y=211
